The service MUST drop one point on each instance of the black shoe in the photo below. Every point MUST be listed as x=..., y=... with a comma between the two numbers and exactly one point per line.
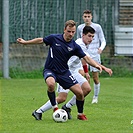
x=68, y=110
x=38, y=116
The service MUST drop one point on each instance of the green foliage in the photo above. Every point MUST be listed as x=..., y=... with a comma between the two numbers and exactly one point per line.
x=0, y=73
x=121, y=71
x=19, y=73
x=118, y=72
x=113, y=113
x=121, y=66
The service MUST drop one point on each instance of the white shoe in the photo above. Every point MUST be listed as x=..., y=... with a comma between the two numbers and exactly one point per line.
x=94, y=100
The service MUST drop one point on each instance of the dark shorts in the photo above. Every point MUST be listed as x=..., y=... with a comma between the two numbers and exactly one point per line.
x=66, y=80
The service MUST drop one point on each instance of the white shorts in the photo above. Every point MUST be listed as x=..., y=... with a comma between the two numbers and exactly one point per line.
x=93, y=69
x=78, y=77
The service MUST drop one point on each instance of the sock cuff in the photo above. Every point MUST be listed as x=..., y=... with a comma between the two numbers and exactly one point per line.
x=97, y=85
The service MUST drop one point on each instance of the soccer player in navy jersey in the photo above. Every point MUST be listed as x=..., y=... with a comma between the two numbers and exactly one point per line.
x=75, y=65
x=61, y=48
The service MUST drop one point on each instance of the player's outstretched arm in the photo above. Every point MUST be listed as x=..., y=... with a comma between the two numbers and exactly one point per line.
x=98, y=66
x=108, y=70
x=33, y=41
x=91, y=62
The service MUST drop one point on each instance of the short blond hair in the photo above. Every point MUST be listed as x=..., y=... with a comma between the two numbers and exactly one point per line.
x=70, y=23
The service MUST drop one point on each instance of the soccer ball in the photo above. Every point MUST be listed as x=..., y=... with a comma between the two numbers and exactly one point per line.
x=60, y=115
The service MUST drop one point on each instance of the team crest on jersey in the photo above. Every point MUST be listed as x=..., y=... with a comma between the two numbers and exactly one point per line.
x=70, y=49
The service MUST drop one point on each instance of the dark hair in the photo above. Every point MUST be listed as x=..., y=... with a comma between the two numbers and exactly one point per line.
x=87, y=29
x=70, y=23
x=87, y=12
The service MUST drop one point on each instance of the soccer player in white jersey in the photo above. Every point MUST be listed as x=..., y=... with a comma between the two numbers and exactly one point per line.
x=95, y=48
x=75, y=65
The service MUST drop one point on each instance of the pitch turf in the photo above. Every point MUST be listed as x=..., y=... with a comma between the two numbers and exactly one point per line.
x=113, y=113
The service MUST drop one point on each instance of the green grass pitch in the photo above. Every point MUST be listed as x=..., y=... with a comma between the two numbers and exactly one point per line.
x=113, y=113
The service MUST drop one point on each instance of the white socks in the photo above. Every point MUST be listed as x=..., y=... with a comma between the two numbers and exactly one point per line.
x=48, y=105
x=71, y=102
x=45, y=107
x=96, y=90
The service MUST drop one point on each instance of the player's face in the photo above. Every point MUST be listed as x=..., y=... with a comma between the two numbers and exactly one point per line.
x=69, y=33
x=87, y=18
x=87, y=39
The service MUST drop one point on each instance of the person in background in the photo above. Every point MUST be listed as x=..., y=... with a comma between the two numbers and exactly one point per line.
x=95, y=48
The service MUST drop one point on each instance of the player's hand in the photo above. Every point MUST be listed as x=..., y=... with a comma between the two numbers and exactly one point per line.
x=87, y=76
x=109, y=71
x=99, y=67
x=20, y=40
x=99, y=51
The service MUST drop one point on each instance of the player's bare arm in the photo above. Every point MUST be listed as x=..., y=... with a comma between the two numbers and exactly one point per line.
x=85, y=67
x=108, y=70
x=99, y=51
x=92, y=62
x=33, y=41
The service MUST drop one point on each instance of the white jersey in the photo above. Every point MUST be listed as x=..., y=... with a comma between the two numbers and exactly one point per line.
x=74, y=62
x=97, y=42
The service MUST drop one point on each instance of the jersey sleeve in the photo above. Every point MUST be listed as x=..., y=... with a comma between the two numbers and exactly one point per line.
x=79, y=52
x=71, y=60
x=48, y=40
x=102, y=38
x=78, y=33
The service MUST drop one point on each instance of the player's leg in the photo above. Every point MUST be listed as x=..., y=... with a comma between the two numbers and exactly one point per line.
x=68, y=81
x=95, y=76
x=50, y=81
x=76, y=89
x=86, y=90
x=68, y=105
x=81, y=71
x=59, y=99
x=62, y=96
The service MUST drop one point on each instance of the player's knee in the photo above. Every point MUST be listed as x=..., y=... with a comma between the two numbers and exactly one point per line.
x=62, y=96
x=50, y=83
x=96, y=80
x=87, y=91
x=51, y=86
x=86, y=88
x=61, y=99
x=80, y=96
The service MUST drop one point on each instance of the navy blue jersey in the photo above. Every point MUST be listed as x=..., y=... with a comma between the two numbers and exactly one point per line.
x=59, y=52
